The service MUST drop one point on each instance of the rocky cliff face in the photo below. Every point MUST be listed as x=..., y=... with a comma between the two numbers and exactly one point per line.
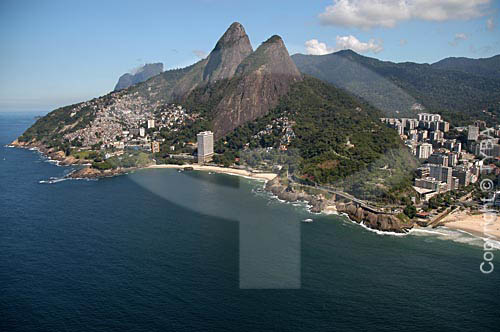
x=231, y=49
x=381, y=222
x=142, y=74
x=259, y=82
x=221, y=63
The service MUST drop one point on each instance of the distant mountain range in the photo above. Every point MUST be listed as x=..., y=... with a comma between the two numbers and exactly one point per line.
x=487, y=67
x=458, y=88
x=140, y=75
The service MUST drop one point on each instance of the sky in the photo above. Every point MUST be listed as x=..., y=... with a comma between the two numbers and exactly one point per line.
x=54, y=53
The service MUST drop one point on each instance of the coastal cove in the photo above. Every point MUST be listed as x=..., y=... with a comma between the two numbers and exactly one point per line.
x=473, y=225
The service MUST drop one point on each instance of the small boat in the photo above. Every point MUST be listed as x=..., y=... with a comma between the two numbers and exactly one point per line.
x=307, y=220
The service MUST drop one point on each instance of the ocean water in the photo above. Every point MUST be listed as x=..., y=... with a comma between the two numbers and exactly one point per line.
x=159, y=250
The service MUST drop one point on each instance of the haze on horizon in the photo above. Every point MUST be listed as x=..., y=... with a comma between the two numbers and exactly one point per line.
x=57, y=53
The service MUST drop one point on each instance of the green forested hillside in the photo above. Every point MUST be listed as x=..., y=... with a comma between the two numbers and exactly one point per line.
x=340, y=141
x=487, y=67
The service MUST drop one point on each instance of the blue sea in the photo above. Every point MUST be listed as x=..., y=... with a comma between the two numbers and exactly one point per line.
x=162, y=250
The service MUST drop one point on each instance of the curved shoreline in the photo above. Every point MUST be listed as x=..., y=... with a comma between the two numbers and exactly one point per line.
x=223, y=170
x=465, y=223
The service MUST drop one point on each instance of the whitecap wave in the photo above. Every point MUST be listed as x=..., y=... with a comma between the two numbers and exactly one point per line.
x=458, y=236
x=53, y=180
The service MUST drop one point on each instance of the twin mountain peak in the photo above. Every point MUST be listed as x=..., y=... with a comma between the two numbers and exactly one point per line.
x=252, y=82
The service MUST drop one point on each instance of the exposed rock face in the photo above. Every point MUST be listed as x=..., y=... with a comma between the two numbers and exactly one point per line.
x=382, y=222
x=287, y=194
x=259, y=82
x=92, y=173
x=142, y=74
x=86, y=173
x=221, y=63
x=231, y=49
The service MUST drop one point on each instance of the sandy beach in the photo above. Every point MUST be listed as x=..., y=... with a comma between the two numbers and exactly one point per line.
x=483, y=225
x=216, y=169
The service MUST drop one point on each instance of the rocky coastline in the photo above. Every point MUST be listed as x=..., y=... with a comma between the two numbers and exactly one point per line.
x=86, y=172
x=58, y=156
x=377, y=221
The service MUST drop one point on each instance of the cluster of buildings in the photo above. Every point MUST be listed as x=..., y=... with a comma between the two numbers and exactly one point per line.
x=280, y=126
x=446, y=165
x=128, y=121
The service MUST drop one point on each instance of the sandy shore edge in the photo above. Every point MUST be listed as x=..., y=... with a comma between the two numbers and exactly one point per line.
x=224, y=170
x=483, y=225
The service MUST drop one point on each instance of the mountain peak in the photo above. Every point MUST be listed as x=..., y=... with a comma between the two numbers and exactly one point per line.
x=139, y=75
x=272, y=56
x=274, y=39
x=263, y=77
x=228, y=53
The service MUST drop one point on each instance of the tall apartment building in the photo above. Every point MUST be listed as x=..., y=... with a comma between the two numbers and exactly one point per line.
x=151, y=123
x=463, y=175
x=452, y=159
x=444, y=126
x=424, y=151
x=442, y=173
x=205, y=146
x=436, y=136
x=438, y=159
x=472, y=133
x=429, y=117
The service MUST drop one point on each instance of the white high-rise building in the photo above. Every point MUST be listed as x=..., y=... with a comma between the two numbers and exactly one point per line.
x=472, y=133
x=205, y=146
x=429, y=117
x=142, y=132
x=424, y=151
x=151, y=123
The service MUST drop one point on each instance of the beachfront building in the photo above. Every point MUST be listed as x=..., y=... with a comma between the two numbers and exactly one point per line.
x=205, y=146
x=442, y=174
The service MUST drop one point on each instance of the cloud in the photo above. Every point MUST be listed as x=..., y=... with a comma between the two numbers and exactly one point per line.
x=200, y=54
x=351, y=42
x=403, y=42
x=490, y=24
x=458, y=37
x=387, y=13
x=316, y=47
